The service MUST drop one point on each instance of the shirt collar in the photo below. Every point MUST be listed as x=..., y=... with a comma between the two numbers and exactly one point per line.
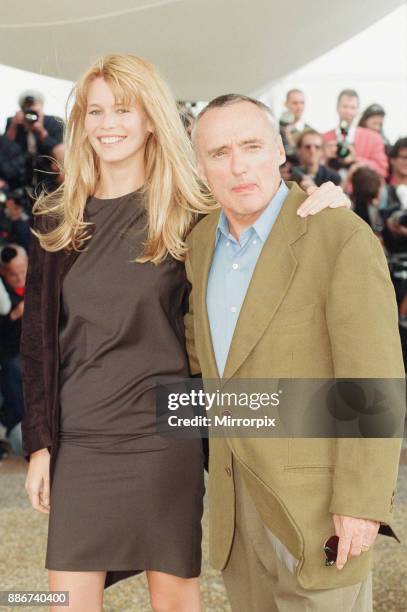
x=264, y=223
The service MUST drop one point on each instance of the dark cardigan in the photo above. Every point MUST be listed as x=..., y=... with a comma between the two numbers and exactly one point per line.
x=40, y=345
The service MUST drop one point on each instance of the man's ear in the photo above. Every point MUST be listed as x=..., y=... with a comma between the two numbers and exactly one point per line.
x=282, y=158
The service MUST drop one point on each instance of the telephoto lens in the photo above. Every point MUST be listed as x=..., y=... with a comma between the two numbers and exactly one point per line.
x=30, y=116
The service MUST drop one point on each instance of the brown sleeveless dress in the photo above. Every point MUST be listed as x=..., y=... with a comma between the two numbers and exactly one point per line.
x=124, y=499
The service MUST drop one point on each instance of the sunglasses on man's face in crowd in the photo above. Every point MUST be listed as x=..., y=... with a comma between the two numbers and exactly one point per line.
x=308, y=147
x=331, y=550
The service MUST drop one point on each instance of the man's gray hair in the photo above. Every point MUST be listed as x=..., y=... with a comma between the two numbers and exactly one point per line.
x=36, y=95
x=228, y=100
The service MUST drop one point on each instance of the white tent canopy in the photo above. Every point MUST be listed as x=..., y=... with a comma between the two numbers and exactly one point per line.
x=203, y=47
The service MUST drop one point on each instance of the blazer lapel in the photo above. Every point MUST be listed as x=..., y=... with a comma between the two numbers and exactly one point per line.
x=271, y=279
x=204, y=250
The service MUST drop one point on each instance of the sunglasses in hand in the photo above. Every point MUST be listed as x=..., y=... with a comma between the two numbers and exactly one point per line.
x=331, y=550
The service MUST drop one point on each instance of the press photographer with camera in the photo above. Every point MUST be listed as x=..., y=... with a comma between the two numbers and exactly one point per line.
x=292, y=122
x=37, y=135
x=311, y=171
x=396, y=210
x=348, y=144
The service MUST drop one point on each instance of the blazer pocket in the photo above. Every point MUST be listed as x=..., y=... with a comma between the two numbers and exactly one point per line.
x=310, y=454
x=309, y=469
x=285, y=317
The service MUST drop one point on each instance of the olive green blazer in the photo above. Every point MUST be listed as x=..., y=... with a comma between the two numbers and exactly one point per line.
x=320, y=305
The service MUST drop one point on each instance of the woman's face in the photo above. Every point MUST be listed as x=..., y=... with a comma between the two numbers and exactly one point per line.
x=116, y=132
x=375, y=122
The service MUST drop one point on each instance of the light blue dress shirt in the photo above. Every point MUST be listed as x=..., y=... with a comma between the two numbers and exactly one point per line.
x=231, y=270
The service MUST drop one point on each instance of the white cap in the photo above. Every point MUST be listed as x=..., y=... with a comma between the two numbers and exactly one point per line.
x=30, y=93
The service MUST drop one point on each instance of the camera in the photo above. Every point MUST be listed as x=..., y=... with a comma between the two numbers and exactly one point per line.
x=342, y=149
x=298, y=173
x=3, y=197
x=30, y=115
x=18, y=195
x=399, y=217
x=286, y=119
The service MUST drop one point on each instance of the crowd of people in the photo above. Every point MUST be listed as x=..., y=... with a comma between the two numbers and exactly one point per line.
x=31, y=155
x=355, y=154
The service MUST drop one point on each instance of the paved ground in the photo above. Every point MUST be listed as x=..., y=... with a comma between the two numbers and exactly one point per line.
x=23, y=537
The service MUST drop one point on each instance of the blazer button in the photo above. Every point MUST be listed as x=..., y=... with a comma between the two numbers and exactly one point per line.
x=228, y=471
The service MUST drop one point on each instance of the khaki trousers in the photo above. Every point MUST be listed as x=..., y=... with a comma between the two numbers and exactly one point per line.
x=257, y=577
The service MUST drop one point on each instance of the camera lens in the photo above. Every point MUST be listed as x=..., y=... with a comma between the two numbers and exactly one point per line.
x=31, y=116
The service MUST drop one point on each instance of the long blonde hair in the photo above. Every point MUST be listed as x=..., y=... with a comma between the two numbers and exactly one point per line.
x=174, y=194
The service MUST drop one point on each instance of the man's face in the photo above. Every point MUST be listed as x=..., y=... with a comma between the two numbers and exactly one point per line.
x=348, y=108
x=310, y=152
x=295, y=104
x=35, y=106
x=399, y=163
x=239, y=156
x=15, y=272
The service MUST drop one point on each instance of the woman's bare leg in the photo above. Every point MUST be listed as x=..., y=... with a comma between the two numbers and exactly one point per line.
x=85, y=589
x=173, y=594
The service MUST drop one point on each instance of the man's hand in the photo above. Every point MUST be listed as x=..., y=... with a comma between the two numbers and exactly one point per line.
x=39, y=129
x=307, y=182
x=17, y=312
x=18, y=118
x=396, y=228
x=328, y=195
x=356, y=535
x=351, y=157
x=38, y=126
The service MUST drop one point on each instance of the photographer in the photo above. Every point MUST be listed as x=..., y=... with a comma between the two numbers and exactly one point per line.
x=291, y=121
x=311, y=172
x=37, y=135
x=13, y=270
x=396, y=209
x=349, y=144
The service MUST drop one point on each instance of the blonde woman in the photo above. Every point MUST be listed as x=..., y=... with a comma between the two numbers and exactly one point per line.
x=106, y=294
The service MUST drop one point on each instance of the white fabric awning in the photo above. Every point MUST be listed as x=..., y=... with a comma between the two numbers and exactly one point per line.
x=203, y=47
